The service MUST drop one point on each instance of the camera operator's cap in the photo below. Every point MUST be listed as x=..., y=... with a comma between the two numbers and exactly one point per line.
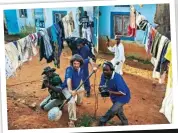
x=48, y=69
x=117, y=37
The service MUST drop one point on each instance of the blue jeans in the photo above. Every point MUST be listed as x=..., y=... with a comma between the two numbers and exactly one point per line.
x=116, y=109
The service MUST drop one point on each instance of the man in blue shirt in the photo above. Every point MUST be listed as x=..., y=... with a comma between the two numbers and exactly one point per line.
x=119, y=94
x=73, y=78
x=84, y=51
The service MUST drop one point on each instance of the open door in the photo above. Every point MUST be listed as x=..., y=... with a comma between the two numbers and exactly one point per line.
x=11, y=22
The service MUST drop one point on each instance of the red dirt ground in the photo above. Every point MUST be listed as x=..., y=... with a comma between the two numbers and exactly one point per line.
x=24, y=89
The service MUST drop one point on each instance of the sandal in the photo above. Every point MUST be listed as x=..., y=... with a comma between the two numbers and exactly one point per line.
x=71, y=124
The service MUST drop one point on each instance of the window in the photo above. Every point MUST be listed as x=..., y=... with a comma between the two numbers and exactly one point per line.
x=23, y=13
x=39, y=18
x=121, y=22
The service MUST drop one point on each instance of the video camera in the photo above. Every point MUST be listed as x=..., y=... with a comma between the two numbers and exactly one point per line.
x=104, y=91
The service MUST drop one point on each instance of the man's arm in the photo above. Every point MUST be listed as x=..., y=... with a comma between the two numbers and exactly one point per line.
x=68, y=77
x=69, y=84
x=92, y=63
x=119, y=93
x=120, y=86
x=112, y=49
x=56, y=89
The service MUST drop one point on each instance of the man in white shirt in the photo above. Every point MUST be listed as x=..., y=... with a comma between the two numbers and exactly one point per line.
x=119, y=56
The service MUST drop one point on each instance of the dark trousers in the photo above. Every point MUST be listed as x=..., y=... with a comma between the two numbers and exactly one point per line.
x=116, y=109
x=87, y=83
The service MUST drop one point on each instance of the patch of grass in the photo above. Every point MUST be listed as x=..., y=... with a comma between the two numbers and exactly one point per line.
x=147, y=61
x=26, y=30
x=85, y=120
x=23, y=34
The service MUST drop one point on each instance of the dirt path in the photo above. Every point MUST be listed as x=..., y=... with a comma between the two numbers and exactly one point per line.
x=143, y=108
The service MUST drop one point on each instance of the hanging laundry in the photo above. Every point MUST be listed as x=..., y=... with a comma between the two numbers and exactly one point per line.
x=65, y=23
x=48, y=51
x=12, y=53
x=62, y=32
x=33, y=41
x=161, y=44
x=45, y=47
x=147, y=38
x=69, y=26
x=141, y=21
x=167, y=104
x=21, y=50
x=49, y=32
x=168, y=56
x=155, y=44
x=71, y=22
x=153, y=32
x=132, y=26
x=27, y=50
x=150, y=41
x=131, y=31
x=57, y=43
x=162, y=64
x=132, y=19
x=61, y=37
x=9, y=67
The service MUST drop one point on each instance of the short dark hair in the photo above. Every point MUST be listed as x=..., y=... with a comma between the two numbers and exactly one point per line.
x=109, y=64
x=76, y=57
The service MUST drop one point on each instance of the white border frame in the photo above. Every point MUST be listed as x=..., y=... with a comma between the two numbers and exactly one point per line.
x=89, y=3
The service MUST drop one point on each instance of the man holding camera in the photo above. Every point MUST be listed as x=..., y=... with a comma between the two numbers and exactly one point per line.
x=53, y=82
x=113, y=85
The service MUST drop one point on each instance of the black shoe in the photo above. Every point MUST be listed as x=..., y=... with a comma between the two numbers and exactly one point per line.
x=88, y=94
x=101, y=124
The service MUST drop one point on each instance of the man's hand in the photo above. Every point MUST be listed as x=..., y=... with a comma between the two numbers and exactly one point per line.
x=110, y=92
x=73, y=92
x=117, y=63
x=46, y=83
x=95, y=69
x=107, y=43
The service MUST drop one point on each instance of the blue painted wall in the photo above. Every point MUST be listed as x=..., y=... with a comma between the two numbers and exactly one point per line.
x=49, y=16
x=148, y=10
x=104, y=20
x=29, y=21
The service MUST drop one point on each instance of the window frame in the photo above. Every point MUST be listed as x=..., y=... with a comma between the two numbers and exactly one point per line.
x=112, y=30
x=58, y=12
x=23, y=13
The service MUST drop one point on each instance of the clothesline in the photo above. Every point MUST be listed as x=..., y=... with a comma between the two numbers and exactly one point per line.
x=164, y=52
